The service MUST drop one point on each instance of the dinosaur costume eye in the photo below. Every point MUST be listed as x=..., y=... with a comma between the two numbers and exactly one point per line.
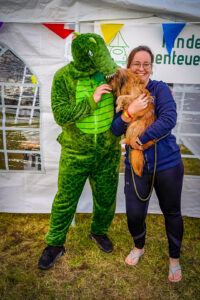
x=90, y=52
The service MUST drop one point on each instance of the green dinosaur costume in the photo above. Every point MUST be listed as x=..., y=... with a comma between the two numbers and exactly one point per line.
x=89, y=149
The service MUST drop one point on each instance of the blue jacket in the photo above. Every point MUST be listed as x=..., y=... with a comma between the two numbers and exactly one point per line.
x=168, y=152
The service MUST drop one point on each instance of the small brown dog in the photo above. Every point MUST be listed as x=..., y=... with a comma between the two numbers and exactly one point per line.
x=128, y=86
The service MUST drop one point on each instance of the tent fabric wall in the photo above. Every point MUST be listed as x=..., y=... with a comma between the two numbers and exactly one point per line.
x=45, y=53
x=40, y=200
x=38, y=11
x=26, y=191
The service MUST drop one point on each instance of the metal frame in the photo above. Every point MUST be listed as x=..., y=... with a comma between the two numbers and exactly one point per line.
x=33, y=107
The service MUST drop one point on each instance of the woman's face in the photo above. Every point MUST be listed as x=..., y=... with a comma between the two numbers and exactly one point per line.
x=141, y=65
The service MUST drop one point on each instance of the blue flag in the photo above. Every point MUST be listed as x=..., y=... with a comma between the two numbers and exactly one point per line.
x=171, y=31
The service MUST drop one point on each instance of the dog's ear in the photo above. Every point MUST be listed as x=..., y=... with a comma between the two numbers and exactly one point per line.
x=123, y=80
x=114, y=84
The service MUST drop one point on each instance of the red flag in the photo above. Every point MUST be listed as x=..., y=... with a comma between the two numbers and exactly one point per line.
x=59, y=29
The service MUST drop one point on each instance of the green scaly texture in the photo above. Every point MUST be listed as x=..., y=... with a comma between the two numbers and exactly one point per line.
x=88, y=152
x=101, y=118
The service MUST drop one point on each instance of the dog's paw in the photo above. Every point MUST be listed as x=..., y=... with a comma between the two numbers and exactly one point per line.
x=118, y=108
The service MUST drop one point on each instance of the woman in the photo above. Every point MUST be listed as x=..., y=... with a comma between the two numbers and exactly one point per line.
x=169, y=167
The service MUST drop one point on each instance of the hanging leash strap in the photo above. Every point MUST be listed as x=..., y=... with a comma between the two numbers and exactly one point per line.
x=154, y=171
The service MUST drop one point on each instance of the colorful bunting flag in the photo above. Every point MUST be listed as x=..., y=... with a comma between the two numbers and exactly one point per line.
x=1, y=23
x=59, y=29
x=109, y=31
x=33, y=79
x=171, y=31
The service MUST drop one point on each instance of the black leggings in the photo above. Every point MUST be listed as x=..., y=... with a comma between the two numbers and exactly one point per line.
x=168, y=187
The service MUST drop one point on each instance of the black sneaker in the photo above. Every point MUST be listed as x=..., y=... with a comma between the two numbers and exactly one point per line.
x=102, y=241
x=49, y=256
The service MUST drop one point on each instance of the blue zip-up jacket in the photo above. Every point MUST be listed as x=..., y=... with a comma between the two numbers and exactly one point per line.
x=168, y=152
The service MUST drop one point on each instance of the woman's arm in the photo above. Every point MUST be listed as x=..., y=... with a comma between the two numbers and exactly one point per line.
x=165, y=109
x=121, y=119
x=118, y=126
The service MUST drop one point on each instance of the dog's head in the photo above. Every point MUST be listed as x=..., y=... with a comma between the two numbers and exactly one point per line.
x=123, y=82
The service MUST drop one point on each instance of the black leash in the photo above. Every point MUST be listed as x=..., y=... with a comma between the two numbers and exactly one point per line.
x=154, y=171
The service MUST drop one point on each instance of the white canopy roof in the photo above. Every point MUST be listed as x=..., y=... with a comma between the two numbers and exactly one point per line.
x=37, y=11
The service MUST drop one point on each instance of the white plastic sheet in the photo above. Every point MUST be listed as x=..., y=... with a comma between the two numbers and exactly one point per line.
x=33, y=192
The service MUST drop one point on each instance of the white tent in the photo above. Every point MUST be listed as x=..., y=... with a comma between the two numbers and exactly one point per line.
x=28, y=175
x=39, y=11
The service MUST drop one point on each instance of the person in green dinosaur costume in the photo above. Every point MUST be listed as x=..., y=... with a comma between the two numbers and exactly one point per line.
x=83, y=105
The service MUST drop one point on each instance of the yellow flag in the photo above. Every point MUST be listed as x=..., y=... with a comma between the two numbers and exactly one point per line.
x=33, y=79
x=109, y=31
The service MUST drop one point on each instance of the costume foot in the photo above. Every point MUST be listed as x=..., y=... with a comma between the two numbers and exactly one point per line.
x=102, y=241
x=49, y=256
x=133, y=258
x=175, y=274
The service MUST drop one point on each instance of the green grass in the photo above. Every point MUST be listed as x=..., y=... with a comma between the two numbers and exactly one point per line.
x=191, y=165
x=85, y=272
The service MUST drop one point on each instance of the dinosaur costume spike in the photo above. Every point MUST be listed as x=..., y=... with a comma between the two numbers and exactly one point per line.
x=89, y=149
x=77, y=33
x=92, y=40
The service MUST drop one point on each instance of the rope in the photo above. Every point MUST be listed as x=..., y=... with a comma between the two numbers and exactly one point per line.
x=154, y=172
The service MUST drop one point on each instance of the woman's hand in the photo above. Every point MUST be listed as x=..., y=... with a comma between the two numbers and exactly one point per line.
x=100, y=90
x=139, y=104
x=137, y=144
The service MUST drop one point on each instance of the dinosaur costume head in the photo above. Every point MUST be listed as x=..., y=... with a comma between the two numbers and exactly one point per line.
x=90, y=53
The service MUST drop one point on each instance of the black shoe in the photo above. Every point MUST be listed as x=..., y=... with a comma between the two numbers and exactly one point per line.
x=49, y=256
x=102, y=241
